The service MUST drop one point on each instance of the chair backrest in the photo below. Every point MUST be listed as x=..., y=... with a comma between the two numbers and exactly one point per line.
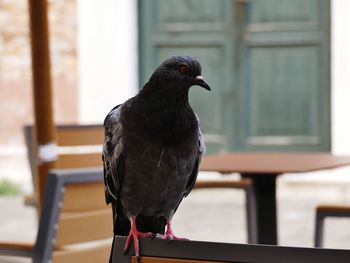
x=75, y=223
x=79, y=147
x=163, y=251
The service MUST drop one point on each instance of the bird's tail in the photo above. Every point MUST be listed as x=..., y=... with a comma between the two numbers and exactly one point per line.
x=121, y=224
x=151, y=224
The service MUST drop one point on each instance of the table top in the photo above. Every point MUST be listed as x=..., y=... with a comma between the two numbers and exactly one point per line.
x=272, y=163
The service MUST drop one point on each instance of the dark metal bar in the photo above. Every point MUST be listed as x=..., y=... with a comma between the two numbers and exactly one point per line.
x=226, y=252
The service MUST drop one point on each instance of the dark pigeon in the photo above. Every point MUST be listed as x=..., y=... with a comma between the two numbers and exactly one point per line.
x=152, y=151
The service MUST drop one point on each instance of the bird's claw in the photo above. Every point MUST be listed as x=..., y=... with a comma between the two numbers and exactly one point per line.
x=168, y=237
x=134, y=235
x=173, y=237
x=169, y=234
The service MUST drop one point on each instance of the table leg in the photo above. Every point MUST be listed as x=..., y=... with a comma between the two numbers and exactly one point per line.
x=264, y=191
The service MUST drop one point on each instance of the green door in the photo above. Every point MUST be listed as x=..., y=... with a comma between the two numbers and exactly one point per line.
x=266, y=60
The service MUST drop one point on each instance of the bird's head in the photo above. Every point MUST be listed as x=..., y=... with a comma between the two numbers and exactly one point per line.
x=180, y=71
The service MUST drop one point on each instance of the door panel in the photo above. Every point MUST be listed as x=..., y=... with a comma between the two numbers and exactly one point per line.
x=285, y=76
x=266, y=118
x=284, y=11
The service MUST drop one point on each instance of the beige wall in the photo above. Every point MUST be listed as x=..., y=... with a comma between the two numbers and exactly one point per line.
x=107, y=56
x=340, y=66
x=15, y=68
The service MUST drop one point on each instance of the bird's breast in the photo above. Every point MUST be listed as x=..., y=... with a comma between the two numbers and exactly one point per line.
x=170, y=126
x=155, y=178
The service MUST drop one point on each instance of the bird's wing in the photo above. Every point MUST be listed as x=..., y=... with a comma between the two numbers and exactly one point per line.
x=201, y=150
x=113, y=155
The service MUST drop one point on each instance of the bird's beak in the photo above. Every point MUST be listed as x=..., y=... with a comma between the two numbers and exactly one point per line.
x=201, y=82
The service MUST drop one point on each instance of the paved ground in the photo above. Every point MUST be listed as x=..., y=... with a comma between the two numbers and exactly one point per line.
x=218, y=215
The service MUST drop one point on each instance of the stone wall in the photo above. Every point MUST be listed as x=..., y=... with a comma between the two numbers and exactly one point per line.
x=16, y=107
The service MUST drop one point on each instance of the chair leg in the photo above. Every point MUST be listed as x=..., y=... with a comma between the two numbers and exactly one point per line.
x=251, y=215
x=319, y=226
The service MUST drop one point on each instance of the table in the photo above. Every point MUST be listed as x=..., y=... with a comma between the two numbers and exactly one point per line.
x=263, y=168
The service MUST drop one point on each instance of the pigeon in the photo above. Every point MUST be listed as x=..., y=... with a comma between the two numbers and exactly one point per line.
x=152, y=151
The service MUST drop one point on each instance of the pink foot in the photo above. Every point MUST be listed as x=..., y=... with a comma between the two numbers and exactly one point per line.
x=169, y=234
x=134, y=234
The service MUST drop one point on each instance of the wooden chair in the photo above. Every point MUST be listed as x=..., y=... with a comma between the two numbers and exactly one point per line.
x=164, y=251
x=75, y=223
x=79, y=144
x=323, y=211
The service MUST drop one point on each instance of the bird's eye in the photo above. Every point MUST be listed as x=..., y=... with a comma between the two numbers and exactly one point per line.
x=184, y=69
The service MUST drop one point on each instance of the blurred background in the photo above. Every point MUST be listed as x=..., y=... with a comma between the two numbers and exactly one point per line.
x=278, y=70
